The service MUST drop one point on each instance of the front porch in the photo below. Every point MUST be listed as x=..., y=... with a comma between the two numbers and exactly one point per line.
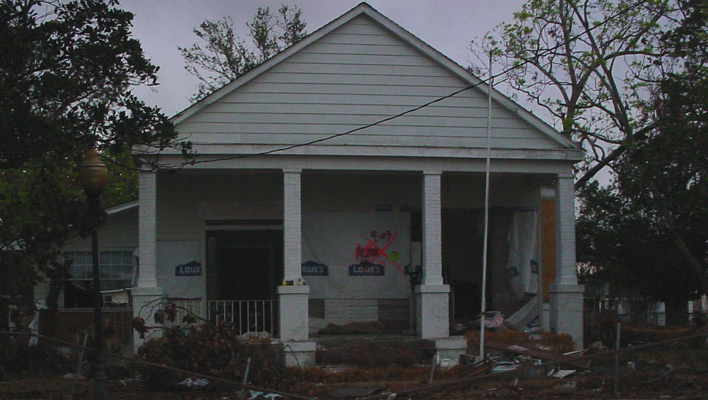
x=287, y=253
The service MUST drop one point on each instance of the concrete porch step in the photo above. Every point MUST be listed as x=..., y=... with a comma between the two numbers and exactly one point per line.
x=372, y=350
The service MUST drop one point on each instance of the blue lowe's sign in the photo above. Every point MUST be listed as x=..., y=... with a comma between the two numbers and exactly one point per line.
x=313, y=268
x=191, y=268
x=366, y=268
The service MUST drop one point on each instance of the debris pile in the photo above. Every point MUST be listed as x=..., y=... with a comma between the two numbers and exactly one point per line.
x=535, y=355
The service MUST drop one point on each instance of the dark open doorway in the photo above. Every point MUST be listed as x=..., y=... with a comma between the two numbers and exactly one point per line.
x=244, y=264
x=462, y=244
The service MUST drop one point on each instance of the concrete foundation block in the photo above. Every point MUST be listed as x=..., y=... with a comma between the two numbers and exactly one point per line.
x=146, y=301
x=566, y=311
x=294, y=318
x=299, y=354
x=448, y=351
x=432, y=306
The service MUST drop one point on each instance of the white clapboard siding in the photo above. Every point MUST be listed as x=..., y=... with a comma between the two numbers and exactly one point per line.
x=425, y=128
x=407, y=141
x=303, y=67
x=363, y=49
x=324, y=123
x=272, y=101
x=305, y=112
x=119, y=232
x=281, y=78
x=180, y=197
x=377, y=136
x=356, y=75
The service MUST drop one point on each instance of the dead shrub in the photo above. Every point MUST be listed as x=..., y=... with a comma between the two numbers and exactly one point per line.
x=558, y=343
x=209, y=349
x=19, y=356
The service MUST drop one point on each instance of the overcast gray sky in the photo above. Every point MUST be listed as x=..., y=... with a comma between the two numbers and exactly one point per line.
x=162, y=25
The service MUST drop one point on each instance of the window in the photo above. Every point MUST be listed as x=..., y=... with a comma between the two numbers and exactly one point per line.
x=116, y=269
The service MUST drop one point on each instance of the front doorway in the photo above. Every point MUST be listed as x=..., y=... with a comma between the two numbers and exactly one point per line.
x=244, y=264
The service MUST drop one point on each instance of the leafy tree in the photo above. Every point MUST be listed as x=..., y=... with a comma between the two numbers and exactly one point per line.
x=122, y=178
x=221, y=56
x=588, y=63
x=66, y=69
x=632, y=251
x=627, y=80
x=666, y=171
x=661, y=181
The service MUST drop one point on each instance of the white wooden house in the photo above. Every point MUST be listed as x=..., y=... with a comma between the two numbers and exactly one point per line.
x=302, y=204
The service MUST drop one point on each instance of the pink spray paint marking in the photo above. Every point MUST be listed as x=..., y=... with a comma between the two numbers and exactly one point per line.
x=375, y=251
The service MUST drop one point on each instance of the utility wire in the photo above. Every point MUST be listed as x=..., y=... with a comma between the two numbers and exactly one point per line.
x=349, y=132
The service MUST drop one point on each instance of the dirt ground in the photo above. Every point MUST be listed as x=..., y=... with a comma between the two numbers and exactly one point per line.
x=642, y=378
x=678, y=370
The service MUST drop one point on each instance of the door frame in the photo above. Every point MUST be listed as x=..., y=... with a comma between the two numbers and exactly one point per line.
x=234, y=226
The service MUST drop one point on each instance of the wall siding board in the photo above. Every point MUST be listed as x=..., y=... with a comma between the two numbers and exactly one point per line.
x=339, y=119
x=382, y=140
x=298, y=133
x=272, y=101
x=366, y=89
x=355, y=76
x=305, y=67
x=350, y=39
x=119, y=232
x=368, y=49
x=362, y=59
x=356, y=79
x=228, y=112
x=298, y=123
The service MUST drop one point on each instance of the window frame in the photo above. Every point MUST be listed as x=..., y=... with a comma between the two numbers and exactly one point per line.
x=113, y=267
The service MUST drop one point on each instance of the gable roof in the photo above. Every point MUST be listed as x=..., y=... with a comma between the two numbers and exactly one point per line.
x=438, y=58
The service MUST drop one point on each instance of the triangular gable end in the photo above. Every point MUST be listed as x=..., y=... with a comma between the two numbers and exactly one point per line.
x=347, y=24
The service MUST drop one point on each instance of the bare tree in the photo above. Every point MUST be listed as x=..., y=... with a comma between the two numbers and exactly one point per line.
x=591, y=64
x=221, y=56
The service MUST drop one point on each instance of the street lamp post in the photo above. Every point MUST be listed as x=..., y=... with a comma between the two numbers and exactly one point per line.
x=93, y=176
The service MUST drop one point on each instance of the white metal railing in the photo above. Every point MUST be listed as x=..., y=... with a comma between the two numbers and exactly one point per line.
x=247, y=317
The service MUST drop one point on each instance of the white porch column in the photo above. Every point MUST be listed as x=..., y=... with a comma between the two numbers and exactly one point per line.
x=147, y=290
x=432, y=296
x=293, y=299
x=432, y=228
x=292, y=225
x=566, y=296
x=147, y=228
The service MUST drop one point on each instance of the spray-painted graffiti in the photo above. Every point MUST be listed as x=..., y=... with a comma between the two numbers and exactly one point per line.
x=366, y=253
x=372, y=251
x=383, y=236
